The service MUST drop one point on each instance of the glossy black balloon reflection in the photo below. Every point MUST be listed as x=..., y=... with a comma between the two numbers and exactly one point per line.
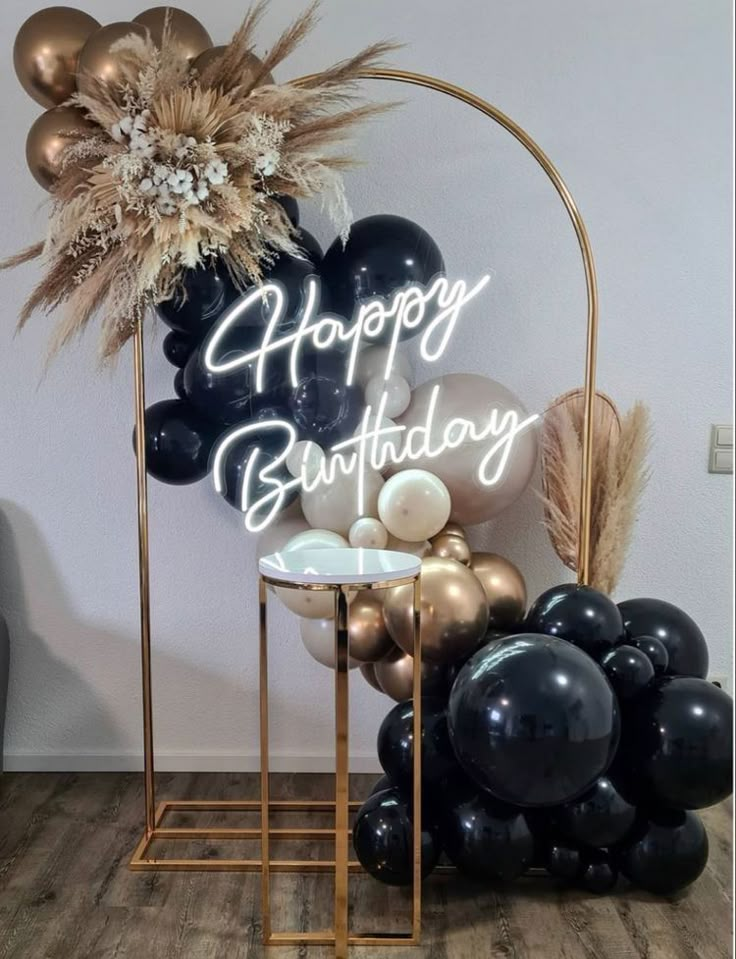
x=396, y=745
x=681, y=636
x=267, y=446
x=678, y=742
x=668, y=851
x=178, y=442
x=383, y=840
x=206, y=292
x=177, y=348
x=231, y=397
x=533, y=720
x=655, y=651
x=628, y=669
x=600, y=817
x=486, y=839
x=581, y=615
x=322, y=407
x=383, y=254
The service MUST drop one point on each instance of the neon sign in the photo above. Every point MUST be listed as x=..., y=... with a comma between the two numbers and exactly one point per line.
x=378, y=442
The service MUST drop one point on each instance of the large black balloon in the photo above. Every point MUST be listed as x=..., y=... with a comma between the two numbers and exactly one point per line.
x=310, y=245
x=678, y=742
x=383, y=254
x=177, y=348
x=206, y=292
x=383, y=840
x=230, y=397
x=179, y=385
x=291, y=207
x=322, y=407
x=178, y=442
x=533, y=720
x=600, y=817
x=667, y=852
x=628, y=669
x=486, y=839
x=581, y=615
x=685, y=643
x=269, y=444
x=396, y=744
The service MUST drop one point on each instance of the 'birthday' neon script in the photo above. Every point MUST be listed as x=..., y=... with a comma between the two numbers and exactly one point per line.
x=435, y=309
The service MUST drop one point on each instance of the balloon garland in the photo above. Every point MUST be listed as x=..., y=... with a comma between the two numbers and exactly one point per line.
x=576, y=735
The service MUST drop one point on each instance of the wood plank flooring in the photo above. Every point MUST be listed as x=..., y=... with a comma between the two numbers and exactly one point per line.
x=66, y=892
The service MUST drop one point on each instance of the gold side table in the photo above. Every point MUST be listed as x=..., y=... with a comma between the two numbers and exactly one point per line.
x=339, y=571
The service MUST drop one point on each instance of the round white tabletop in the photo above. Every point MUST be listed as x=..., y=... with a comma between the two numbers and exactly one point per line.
x=338, y=567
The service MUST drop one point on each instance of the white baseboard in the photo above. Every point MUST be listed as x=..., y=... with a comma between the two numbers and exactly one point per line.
x=171, y=761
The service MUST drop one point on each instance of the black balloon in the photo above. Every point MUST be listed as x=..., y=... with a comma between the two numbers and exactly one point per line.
x=178, y=442
x=599, y=874
x=681, y=636
x=179, y=385
x=655, y=650
x=668, y=851
x=383, y=840
x=396, y=744
x=322, y=407
x=600, y=817
x=290, y=206
x=563, y=862
x=177, y=348
x=206, y=292
x=486, y=839
x=383, y=254
x=581, y=615
x=678, y=742
x=628, y=669
x=533, y=720
x=267, y=445
x=311, y=246
x=380, y=785
x=230, y=397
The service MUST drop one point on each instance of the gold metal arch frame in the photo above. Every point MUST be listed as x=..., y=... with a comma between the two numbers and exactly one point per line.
x=155, y=814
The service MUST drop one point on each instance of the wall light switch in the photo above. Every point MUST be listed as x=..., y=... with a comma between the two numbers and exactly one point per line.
x=721, y=449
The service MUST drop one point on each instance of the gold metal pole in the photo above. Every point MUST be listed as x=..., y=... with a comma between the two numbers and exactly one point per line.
x=265, y=791
x=144, y=579
x=342, y=823
x=416, y=913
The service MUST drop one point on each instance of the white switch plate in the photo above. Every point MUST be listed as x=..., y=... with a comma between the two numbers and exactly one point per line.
x=721, y=448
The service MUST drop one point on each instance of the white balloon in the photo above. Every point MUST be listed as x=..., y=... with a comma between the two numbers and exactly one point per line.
x=414, y=505
x=305, y=459
x=314, y=604
x=369, y=533
x=318, y=636
x=396, y=390
x=372, y=362
x=336, y=505
x=421, y=549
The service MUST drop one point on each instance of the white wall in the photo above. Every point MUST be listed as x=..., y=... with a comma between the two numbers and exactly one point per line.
x=632, y=102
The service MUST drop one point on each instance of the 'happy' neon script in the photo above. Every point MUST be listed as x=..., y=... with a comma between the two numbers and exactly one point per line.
x=376, y=445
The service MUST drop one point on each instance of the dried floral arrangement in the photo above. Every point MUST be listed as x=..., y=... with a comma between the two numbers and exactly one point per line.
x=180, y=167
x=620, y=474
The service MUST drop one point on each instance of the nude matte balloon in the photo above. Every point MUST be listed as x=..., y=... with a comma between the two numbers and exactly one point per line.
x=395, y=675
x=313, y=604
x=472, y=397
x=49, y=136
x=414, y=505
x=454, y=612
x=336, y=505
x=504, y=587
x=369, y=638
x=98, y=61
x=46, y=52
x=318, y=636
x=396, y=391
x=372, y=362
x=369, y=533
x=186, y=30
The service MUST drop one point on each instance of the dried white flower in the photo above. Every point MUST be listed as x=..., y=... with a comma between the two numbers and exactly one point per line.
x=267, y=163
x=146, y=184
x=216, y=172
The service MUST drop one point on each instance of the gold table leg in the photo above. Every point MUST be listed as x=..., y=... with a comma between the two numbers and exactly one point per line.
x=265, y=792
x=341, y=774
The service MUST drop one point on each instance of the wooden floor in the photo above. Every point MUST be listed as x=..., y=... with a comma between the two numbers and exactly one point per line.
x=66, y=892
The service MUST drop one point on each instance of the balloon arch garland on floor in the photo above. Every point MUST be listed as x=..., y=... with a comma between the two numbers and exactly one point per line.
x=575, y=735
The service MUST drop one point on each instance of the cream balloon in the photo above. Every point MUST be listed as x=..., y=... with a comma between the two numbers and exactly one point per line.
x=336, y=505
x=317, y=603
x=372, y=362
x=468, y=396
x=414, y=505
x=369, y=533
x=318, y=636
x=304, y=459
x=396, y=391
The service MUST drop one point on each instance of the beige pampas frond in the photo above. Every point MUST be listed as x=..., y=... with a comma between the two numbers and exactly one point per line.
x=181, y=170
x=619, y=477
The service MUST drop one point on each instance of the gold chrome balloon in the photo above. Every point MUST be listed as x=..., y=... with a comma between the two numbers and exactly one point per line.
x=504, y=587
x=450, y=546
x=46, y=52
x=450, y=529
x=96, y=58
x=186, y=30
x=368, y=671
x=369, y=638
x=395, y=675
x=454, y=611
x=253, y=64
x=49, y=136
